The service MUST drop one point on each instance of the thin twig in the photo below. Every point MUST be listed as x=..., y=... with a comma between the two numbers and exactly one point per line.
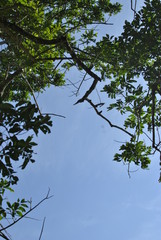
x=98, y=95
x=153, y=116
x=53, y=114
x=81, y=84
x=99, y=113
x=147, y=136
x=158, y=134
x=73, y=84
x=133, y=9
x=128, y=170
x=4, y=236
x=86, y=69
x=42, y=229
x=32, y=92
x=7, y=236
x=31, y=209
x=57, y=64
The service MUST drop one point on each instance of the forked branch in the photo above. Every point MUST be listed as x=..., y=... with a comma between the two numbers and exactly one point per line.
x=86, y=69
x=99, y=113
x=31, y=209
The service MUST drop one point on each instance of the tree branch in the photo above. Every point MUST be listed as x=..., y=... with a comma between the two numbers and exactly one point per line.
x=86, y=69
x=42, y=229
x=28, y=35
x=32, y=92
x=8, y=79
x=4, y=236
x=99, y=113
x=153, y=113
x=93, y=86
x=80, y=63
x=31, y=209
x=53, y=114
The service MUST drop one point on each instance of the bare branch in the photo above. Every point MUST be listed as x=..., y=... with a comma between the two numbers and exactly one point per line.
x=4, y=236
x=128, y=170
x=99, y=113
x=133, y=9
x=77, y=92
x=86, y=69
x=90, y=90
x=32, y=92
x=153, y=113
x=54, y=114
x=98, y=96
x=31, y=209
x=101, y=23
x=42, y=229
x=80, y=63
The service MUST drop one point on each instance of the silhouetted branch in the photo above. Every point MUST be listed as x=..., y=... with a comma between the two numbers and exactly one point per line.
x=32, y=92
x=99, y=113
x=54, y=114
x=31, y=209
x=4, y=236
x=42, y=229
x=86, y=69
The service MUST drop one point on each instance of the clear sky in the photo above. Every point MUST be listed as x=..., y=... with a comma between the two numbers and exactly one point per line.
x=94, y=199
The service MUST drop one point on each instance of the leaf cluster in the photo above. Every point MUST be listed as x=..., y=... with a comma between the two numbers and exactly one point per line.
x=35, y=40
x=15, y=122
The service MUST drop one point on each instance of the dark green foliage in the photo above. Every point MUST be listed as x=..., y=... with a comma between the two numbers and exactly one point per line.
x=15, y=144
x=41, y=41
x=34, y=33
x=18, y=125
x=134, y=65
x=35, y=39
x=135, y=152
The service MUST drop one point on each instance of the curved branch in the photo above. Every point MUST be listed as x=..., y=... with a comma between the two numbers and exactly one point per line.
x=99, y=113
x=80, y=63
x=53, y=114
x=31, y=209
x=88, y=92
x=86, y=69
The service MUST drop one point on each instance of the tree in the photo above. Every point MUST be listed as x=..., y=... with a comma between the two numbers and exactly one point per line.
x=134, y=69
x=38, y=45
x=42, y=40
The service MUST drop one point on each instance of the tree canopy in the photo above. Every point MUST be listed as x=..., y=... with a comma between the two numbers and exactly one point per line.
x=41, y=41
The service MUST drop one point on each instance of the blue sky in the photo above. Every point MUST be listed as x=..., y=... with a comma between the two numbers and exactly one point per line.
x=93, y=196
